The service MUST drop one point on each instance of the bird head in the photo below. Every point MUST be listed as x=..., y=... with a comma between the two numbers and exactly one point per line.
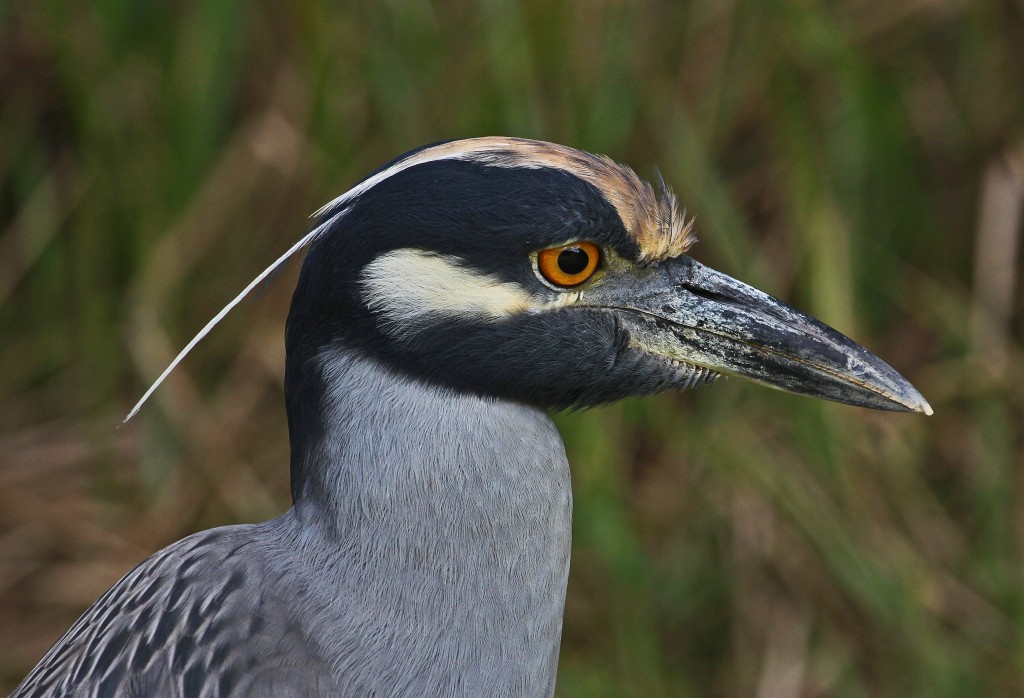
x=533, y=272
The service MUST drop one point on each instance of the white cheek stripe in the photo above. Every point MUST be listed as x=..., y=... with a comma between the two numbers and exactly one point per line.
x=409, y=287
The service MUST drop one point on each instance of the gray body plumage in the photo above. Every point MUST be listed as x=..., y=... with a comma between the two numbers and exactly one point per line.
x=435, y=563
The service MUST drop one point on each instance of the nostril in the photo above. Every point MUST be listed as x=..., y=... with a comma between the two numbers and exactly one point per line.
x=711, y=295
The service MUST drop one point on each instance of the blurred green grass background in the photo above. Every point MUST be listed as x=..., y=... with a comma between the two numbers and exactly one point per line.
x=863, y=160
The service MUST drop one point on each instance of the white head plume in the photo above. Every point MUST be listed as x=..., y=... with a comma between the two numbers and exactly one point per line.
x=306, y=239
x=329, y=213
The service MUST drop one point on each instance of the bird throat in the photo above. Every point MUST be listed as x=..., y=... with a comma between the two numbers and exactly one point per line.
x=444, y=521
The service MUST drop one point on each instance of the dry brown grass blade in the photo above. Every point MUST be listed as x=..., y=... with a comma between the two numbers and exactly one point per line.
x=997, y=246
x=38, y=222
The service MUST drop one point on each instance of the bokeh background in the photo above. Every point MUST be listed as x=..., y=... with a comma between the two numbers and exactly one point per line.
x=863, y=160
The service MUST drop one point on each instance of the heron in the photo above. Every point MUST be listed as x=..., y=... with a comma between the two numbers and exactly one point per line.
x=447, y=305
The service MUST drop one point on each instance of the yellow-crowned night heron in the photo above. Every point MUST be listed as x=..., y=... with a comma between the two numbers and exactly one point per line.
x=446, y=303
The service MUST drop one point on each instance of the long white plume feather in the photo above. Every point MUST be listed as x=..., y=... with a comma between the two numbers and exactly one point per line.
x=443, y=152
x=337, y=205
x=306, y=239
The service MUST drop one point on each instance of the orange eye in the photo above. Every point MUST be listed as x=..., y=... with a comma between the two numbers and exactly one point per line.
x=569, y=265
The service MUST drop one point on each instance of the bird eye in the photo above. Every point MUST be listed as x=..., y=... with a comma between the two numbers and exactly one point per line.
x=569, y=265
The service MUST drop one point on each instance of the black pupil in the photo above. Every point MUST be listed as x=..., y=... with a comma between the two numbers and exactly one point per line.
x=573, y=260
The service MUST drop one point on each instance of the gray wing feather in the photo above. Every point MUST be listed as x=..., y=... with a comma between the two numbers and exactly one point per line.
x=203, y=617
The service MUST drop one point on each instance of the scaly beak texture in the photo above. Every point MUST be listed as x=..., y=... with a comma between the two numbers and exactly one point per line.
x=686, y=311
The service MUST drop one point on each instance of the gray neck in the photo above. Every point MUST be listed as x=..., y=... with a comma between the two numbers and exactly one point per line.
x=443, y=523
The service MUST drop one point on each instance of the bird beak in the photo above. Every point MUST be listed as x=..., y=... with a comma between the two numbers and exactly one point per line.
x=683, y=310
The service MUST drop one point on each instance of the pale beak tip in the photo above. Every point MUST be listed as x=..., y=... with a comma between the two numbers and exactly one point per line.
x=915, y=402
